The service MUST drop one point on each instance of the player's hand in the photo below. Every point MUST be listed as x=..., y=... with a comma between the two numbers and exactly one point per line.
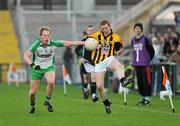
x=34, y=66
x=119, y=52
x=98, y=46
x=84, y=61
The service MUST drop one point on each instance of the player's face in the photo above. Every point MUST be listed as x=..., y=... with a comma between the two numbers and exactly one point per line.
x=138, y=30
x=106, y=29
x=45, y=36
x=90, y=30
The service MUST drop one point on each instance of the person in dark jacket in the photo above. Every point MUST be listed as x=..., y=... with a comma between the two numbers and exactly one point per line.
x=87, y=67
x=142, y=54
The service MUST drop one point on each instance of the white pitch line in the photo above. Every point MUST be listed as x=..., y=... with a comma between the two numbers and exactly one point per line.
x=137, y=108
x=149, y=110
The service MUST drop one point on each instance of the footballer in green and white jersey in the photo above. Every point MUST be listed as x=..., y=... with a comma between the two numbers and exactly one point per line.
x=44, y=55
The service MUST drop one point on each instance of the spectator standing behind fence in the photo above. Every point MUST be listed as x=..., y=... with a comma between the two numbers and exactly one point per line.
x=142, y=53
x=157, y=46
x=175, y=57
x=174, y=40
x=167, y=45
x=177, y=17
x=68, y=58
x=13, y=75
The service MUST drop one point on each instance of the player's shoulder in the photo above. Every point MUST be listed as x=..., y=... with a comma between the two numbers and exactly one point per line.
x=35, y=42
x=34, y=45
x=96, y=34
x=116, y=37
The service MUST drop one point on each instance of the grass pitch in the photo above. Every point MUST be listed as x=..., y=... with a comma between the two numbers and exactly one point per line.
x=73, y=110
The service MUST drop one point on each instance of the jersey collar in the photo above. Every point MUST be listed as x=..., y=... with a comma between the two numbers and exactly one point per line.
x=107, y=35
x=45, y=45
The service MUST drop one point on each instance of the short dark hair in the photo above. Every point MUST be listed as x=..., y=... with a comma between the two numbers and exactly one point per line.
x=139, y=25
x=104, y=22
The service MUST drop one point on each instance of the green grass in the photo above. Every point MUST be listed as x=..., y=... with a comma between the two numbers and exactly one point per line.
x=72, y=110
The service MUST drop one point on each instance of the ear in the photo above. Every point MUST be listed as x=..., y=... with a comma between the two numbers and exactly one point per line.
x=110, y=26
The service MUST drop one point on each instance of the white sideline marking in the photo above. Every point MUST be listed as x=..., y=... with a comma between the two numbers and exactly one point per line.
x=149, y=110
x=137, y=108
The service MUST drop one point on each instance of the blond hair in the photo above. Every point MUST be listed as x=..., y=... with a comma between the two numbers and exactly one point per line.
x=46, y=28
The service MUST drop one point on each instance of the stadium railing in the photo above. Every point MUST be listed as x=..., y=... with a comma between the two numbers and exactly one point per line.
x=173, y=71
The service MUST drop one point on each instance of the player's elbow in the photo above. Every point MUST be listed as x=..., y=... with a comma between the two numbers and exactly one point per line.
x=27, y=56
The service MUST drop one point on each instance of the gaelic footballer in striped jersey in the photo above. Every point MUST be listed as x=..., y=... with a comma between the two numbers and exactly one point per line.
x=109, y=45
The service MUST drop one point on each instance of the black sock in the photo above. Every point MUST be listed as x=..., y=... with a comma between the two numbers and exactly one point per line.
x=93, y=88
x=32, y=103
x=122, y=80
x=48, y=98
x=85, y=85
x=106, y=102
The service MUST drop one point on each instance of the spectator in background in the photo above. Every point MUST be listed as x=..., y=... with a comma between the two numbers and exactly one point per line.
x=169, y=30
x=152, y=33
x=174, y=41
x=175, y=57
x=68, y=57
x=13, y=75
x=162, y=57
x=47, y=5
x=157, y=46
x=177, y=17
x=142, y=53
x=167, y=45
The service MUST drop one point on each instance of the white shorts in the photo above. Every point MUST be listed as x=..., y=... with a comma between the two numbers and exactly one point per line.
x=103, y=66
x=89, y=68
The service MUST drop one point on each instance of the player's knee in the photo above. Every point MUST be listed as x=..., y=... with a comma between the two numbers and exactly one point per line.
x=99, y=87
x=51, y=84
x=32, y=93
x=85, y=81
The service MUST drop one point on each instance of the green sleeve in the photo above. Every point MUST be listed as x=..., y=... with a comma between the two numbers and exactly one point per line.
x=58, y=43
x=34, y=45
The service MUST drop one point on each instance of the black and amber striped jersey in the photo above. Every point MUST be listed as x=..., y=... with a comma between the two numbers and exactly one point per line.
x=108, y=46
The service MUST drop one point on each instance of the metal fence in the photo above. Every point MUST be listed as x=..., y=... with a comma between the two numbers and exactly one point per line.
x=173, y=71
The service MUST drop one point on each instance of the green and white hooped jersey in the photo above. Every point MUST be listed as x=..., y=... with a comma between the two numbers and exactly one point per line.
x=44, y=55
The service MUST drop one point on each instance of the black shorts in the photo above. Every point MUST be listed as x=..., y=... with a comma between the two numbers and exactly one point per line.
x=83, y=70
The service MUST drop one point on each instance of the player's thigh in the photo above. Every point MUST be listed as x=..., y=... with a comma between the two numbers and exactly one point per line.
x=93, y=79
x=50, y=77
x=100, y=78
x=34, y=85
x=86, y=77
x=115, y=65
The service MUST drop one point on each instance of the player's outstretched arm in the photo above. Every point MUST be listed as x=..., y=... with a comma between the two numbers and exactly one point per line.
x=73, y=43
